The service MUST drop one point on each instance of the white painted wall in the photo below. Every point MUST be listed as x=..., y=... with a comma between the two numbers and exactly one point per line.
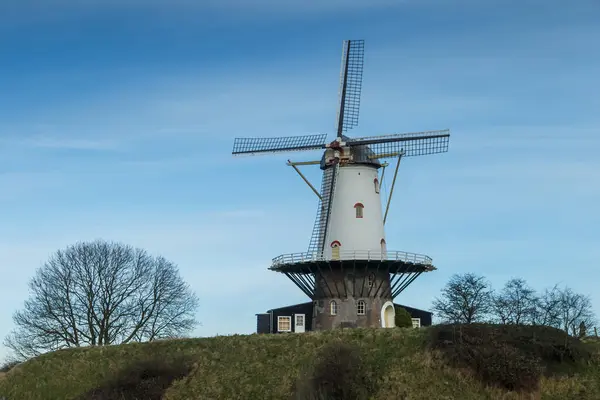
x=355, y=185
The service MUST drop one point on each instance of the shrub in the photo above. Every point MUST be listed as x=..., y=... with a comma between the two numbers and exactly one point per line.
x=403, y=318
x=509, y=356
x=337, y=373
x=147, y=379
x=8, y=365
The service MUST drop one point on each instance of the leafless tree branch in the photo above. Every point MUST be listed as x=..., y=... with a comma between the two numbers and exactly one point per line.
x=465, y=299
x=101, y=293
x=515, y=303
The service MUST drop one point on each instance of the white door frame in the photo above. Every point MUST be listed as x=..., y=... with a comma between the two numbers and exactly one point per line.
x=383, y=309
x=299, y=328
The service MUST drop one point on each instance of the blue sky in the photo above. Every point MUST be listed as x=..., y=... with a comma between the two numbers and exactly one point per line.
x=117, y=120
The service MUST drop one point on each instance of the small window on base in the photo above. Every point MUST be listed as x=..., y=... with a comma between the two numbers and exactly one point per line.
x=361, y=307
x=284, y=324
x=333, y=307
x=371, y=280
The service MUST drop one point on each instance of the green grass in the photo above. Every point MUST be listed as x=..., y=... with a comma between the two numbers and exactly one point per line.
x=402, y=362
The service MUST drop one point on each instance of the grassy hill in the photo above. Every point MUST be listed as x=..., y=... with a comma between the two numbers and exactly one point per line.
x=444, y=362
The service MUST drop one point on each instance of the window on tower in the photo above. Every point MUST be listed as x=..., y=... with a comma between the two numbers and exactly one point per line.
x=383, y=248
x=376, y=183
x=333, y=307
x=361, y=307
x=359, y=210
x=371, y=280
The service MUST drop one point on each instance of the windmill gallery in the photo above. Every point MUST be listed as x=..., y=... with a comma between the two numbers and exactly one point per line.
x=348, y=272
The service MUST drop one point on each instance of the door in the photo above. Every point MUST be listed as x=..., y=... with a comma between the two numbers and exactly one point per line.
x=335, y=253
x=300, y=323
x=388, y=315
x=335, y=250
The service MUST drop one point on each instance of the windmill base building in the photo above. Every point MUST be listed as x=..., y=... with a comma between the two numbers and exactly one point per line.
x=348, y=272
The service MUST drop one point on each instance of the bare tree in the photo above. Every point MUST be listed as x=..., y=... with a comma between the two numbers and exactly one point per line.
x=564, y=309
x=465, y=299
x=101, y=293
x=547, y=308
x=574, y=310
x=515, y=303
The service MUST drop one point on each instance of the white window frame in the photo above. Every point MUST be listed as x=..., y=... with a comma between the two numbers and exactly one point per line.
x=364, y=307
x=416, y=322
x=333, y=307
x=282, y=317
x=376, y=183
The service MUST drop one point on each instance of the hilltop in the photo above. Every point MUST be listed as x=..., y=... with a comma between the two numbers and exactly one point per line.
x=442, y=362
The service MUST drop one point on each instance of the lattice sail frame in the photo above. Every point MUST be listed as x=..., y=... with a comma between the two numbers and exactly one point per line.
x=353, y=56
x=412, y=144
x=319, y=232
x=278, y=144
x=384, y=146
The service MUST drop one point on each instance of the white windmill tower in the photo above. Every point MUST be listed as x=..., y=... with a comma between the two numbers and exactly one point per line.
x=348, y=271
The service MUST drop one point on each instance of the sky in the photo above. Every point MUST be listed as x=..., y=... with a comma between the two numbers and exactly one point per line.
x=117, y=120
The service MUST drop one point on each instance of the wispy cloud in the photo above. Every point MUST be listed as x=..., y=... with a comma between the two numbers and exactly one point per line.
x=72, y=143
x=17, y=186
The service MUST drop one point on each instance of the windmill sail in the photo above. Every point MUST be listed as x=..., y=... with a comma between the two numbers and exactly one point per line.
x=410, y=144
x=317, y=239
x=350, y=89
x=353, y=54
x=278, y=144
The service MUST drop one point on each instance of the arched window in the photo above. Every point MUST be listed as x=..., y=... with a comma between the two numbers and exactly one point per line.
x=371, y=280
x=376, y=183
x=333, y=307
x=359, y=209
x=361, y=307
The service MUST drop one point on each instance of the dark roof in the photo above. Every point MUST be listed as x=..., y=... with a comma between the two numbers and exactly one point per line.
x=360, y=154
x=292, y=305
x=409, y=309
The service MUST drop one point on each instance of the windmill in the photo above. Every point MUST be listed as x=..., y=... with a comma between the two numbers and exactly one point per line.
x=347, y=270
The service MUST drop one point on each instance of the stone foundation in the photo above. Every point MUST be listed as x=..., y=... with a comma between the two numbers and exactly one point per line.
x=347, y=288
